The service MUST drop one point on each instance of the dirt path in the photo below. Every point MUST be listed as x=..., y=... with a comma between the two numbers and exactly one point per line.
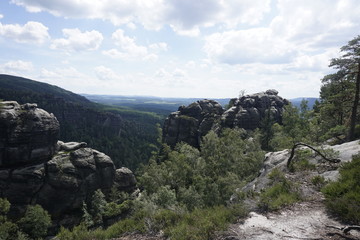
x=307, y=220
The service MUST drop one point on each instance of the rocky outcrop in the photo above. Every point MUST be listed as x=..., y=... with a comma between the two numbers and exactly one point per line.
x=306, y=219
x=248, y=111
x=191, y=123
x=27, y=134
x=41, y=170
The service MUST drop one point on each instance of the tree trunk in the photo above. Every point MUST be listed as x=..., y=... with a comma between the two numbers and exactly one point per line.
x=355, y=106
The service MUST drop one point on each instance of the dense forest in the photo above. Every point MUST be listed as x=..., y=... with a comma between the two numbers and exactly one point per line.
x=126, y=135
x=185, y=191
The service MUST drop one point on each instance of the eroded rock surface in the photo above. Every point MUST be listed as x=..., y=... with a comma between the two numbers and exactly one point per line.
x=27, y=134
x=190, y=123
x=307, y=219
x=248, y=111
x=36, y=168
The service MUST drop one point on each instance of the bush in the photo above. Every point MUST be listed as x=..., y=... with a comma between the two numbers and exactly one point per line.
x=343, y=196
x=201, y=224
x=318, y=181
x=35, y=222
x=281, y=193
x=301, y=162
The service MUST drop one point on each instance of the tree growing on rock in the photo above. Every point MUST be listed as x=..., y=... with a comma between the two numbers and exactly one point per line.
x=344, y=82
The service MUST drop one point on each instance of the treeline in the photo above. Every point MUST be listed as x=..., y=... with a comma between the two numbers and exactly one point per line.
x=127, y=136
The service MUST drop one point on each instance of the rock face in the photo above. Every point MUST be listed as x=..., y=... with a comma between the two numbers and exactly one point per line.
x=248, y=111
x=35, y=168
x=191, y=123
x=27, y=134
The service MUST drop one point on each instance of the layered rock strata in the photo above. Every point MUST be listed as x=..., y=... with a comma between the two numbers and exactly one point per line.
x=190, y=123
x=36, y=168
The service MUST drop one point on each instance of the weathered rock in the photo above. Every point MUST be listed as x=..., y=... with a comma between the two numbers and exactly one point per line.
x=248, y=111
x=36, y=168
x=28, y=134
x=191, y=123
x=125, y=180
x=279, y=160
x=70, y=146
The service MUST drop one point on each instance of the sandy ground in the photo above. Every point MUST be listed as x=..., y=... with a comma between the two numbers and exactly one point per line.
x=307, y=220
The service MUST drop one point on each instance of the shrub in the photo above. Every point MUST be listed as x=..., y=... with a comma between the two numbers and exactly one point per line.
x=281, y=193
x=343, y=196
x=201, y=224
x=301, y=162
x=113, y=209
x=318, y=181
x=35, y=222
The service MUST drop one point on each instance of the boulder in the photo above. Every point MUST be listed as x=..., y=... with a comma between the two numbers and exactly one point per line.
x=28, y=135
x=190, y=123
x=36, y=168
x=248, y=111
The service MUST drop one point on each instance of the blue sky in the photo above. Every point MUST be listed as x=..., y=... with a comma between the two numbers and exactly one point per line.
x=176, y=48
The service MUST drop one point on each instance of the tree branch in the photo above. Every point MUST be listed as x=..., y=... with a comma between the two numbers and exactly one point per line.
x=312, y=148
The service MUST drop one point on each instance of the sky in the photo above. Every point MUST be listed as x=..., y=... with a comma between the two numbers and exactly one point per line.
x=176, y=48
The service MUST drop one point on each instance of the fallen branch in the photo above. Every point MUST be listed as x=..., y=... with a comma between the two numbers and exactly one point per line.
x=312, y=148
x=347, y=229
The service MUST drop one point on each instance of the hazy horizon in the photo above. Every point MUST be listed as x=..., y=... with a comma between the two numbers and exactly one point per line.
x=178, y=48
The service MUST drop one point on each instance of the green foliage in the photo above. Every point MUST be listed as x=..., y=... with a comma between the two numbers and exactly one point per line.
x=98, y=204
x=343, y=196
x=113, y=209
x=340, y=91
x=4, y=206
x=128, y=136
x=201, y=224
x=193, y=178
x=281, y=193
x=8, y=229
x=318, y=181
x=35, y=222
x=79, y=232
x=301, y=161
x=87, y=219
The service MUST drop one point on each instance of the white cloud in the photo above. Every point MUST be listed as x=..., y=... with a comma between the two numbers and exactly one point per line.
x=75, y=40
x=1, y=16
x=131, y=25
x=128, y=49
x=17, y=67
x=326, y=23
x=184, y=16
x=69, y=78
x=161, y=46
x=257, y=45
x=107, y=74
x=31, y=32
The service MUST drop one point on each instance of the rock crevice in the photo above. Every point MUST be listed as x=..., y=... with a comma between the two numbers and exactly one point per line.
x=36, y=168
x=189, y=124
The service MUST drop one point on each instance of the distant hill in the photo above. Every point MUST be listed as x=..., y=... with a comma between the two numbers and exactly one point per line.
x=148, y=103
x=24, y=85
x=297, y=101
x=165, y=105
x=125, y=134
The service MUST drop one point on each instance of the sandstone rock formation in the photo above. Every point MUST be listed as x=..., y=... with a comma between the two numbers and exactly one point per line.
x=191, y=123
x=248, y=111
x=35, y=168
x=27, y=134
x=307, y=219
